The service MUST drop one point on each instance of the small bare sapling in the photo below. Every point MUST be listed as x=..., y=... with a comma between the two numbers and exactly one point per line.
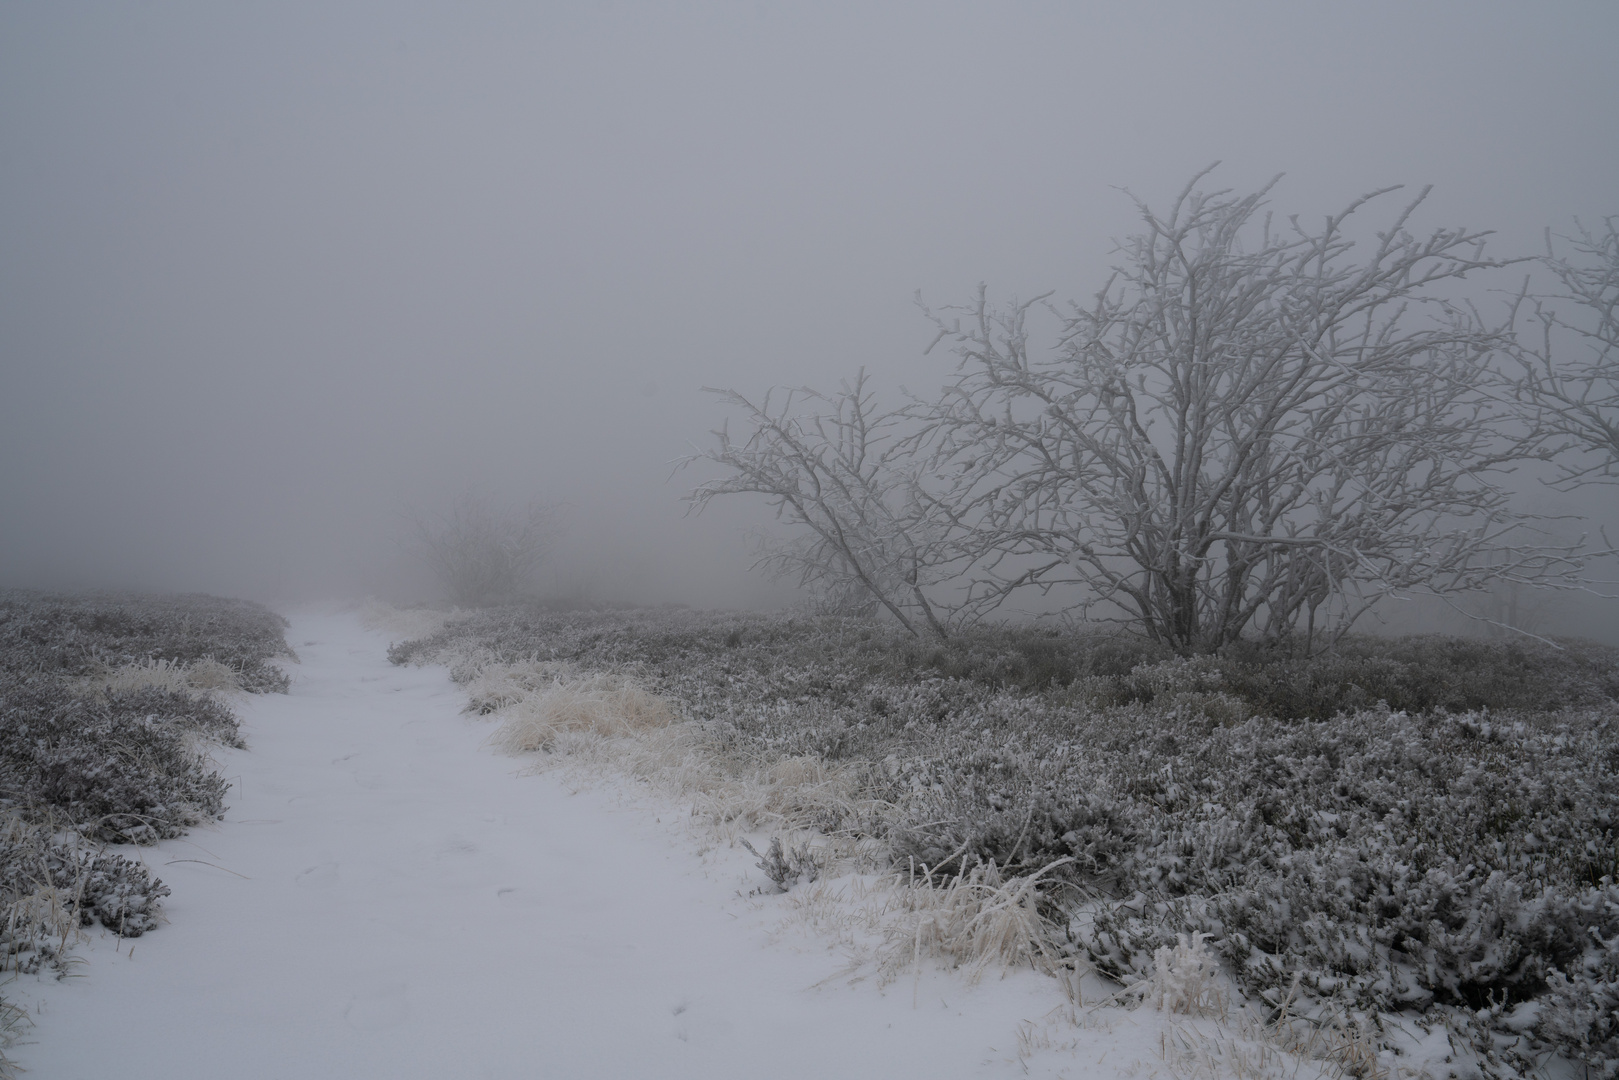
x=787, y=866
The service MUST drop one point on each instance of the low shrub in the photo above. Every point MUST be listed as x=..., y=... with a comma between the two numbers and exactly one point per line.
x=105, y=702
x=1412, y=824
x=788, y=866
x=121, y=768
x=1422, y=674
x=91, y=634
x=50, y=886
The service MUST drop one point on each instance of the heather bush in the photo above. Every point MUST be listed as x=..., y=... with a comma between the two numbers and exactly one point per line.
x=1421, y=674
x=50, y=886
x=91, y=634
x=121, y=768
x=106, y=702
x=1418, y=824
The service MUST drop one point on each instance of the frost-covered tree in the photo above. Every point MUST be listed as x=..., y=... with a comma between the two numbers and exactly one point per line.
x=839, y=473
x=481, y=552
x=1573, y=369
x=1255, y=427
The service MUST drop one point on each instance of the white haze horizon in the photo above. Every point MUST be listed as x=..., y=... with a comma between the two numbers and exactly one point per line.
x=272, y=279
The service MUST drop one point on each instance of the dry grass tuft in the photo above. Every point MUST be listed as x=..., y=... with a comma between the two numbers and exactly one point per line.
x=1197, y=1054
x=14, y=1020
x=802, y=770
x=608, y=724
x=46, y=912
x=804, y=793
x=204, y=676
x=975, y=919
x=1345, y=1044
x=536, y=706
x=492, y=687
x=1334, y=1044
x=37, y=926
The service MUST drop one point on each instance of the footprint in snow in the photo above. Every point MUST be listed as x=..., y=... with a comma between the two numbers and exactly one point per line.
x=320, y=876
x=510, y=896
x=700, y=1028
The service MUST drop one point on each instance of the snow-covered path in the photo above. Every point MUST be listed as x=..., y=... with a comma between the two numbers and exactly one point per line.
x=387, y=898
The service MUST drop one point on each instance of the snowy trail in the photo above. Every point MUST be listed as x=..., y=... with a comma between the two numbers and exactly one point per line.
x=388, y=898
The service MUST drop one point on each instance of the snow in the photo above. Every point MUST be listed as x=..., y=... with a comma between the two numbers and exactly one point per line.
x=388, y=897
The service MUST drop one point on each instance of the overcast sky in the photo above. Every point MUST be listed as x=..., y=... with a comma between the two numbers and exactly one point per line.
x=270, y=276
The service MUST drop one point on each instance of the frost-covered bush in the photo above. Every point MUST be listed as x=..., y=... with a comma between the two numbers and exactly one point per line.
x=91, y=634
x=1385, y=861
x=1581, y=1014
x=50, y=886
x=120, y=767
x=787, y=866
x=105, y=701
x=1411, y=824
x=1422, y=673
x=483, y=552
x=1184, y=979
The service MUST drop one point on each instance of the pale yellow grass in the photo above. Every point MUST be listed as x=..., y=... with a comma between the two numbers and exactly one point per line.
x=1344, y=1044
x=731, y=793
x=196, y=676
x=976, y=921
x=1186, y=982
x=605, y=723
x=978, y=918
x=1211, y=1052
x=596, y=705
x=48, y=910
x=1246, y=1049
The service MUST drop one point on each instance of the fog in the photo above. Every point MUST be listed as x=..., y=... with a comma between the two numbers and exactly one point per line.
x=270, y=279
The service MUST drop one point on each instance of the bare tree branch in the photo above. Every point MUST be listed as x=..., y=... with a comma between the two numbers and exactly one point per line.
x=1572, y=383
x=848, y=486
x=1251, y=428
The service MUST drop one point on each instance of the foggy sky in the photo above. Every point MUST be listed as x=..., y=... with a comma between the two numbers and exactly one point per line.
x=270, y=277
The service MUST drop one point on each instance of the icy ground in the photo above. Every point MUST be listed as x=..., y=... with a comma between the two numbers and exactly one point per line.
x=388, y=898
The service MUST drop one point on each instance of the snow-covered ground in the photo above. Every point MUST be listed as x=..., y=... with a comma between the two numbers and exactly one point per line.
x=387, y=897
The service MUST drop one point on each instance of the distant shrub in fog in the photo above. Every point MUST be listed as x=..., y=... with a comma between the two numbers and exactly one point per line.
x=482, y=553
